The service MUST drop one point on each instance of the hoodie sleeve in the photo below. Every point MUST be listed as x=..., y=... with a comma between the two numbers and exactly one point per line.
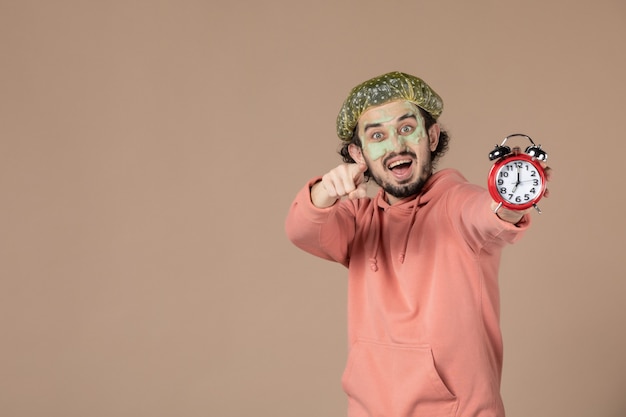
x=479, y=225
x=323, y=232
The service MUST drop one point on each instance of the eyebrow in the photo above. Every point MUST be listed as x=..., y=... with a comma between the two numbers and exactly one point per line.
x=399, y=119
x=407, y=116
x=371, y=126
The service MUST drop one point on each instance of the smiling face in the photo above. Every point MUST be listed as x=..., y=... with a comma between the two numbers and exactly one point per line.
x=396, y=147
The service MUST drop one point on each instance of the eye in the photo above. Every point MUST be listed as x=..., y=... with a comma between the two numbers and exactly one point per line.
x=406, y=129
x=377, y=136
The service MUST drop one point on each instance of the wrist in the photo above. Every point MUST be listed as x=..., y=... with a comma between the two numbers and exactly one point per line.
x=508, y=215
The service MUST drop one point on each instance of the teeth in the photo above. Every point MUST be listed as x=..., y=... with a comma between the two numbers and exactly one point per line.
x=395, y=164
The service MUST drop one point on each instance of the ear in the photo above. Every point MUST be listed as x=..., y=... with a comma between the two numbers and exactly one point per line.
x=356, y=153
x=433, y=136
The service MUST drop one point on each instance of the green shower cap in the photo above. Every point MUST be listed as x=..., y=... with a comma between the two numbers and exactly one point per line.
x=384, y=89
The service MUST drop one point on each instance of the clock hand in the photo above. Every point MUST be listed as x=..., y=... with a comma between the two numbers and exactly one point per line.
x=518, y=180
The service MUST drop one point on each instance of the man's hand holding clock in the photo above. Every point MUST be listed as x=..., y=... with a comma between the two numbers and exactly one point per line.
x=517, y=181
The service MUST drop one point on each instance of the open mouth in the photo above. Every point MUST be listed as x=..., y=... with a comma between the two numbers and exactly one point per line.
x=401, y=168
x=400, y=164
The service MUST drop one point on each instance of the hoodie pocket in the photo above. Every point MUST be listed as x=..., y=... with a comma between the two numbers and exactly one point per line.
x=395, y=380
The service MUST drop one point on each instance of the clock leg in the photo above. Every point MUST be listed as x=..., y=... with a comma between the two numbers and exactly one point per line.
x=497, y=207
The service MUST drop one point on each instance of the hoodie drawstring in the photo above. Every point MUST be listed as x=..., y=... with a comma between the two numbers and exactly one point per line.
x=376, y=236
x=407, y=234
x=376, y=243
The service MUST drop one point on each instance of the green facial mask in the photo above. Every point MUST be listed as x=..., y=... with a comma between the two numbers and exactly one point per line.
x=394, y=138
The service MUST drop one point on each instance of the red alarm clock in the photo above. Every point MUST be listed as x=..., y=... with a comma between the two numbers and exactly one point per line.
x=517, y=180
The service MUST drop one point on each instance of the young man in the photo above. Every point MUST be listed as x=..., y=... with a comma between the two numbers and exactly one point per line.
x=422, y=258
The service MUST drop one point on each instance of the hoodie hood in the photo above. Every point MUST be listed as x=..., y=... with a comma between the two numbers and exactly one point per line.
x=436, y=186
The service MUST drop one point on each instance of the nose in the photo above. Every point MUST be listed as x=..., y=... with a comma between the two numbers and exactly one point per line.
x=399, y=142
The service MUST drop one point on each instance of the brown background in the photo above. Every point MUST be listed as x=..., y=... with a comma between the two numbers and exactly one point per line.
x=150, y=151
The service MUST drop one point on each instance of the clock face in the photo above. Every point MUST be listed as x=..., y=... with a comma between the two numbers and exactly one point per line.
x=517, y=182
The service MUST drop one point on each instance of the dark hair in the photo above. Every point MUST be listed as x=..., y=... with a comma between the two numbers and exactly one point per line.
x=442, y=146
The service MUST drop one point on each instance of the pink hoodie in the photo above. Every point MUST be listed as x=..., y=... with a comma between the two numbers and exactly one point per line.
x=423, y=297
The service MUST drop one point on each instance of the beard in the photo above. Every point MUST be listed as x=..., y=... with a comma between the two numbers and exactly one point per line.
x=404, y=190
x=401, y=191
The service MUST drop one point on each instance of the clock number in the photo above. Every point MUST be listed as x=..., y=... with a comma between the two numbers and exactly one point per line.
x=516, y=183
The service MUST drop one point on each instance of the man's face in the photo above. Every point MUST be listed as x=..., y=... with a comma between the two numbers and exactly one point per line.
x=396, y=147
